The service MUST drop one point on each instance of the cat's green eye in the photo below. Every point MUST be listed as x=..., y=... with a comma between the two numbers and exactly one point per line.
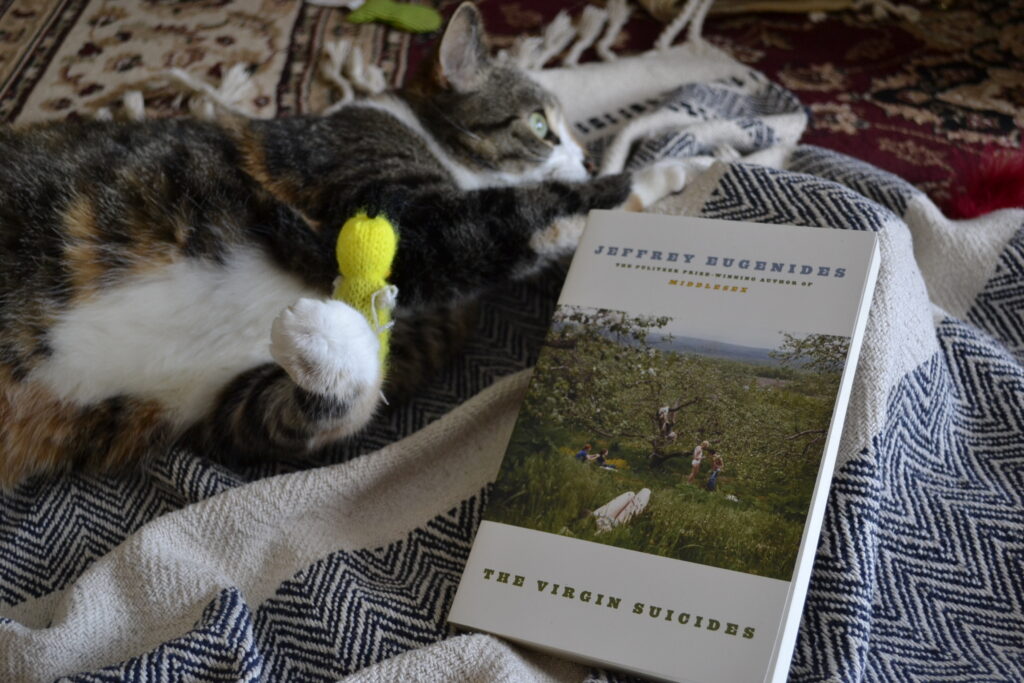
x=538, y=124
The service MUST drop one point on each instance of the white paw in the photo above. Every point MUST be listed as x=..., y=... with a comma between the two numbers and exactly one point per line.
x=327, y=348
x=659, y=181
x=560, y=238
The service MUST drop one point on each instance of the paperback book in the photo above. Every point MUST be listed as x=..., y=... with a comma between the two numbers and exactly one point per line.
x=659, y=503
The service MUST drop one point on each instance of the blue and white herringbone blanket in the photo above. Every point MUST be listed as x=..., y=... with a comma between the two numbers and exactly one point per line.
x=194, y=571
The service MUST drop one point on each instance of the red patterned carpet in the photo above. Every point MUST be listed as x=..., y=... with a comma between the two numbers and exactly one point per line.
x=923, y=100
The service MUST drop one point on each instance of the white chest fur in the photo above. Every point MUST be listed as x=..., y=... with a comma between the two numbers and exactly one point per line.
x=177, y=334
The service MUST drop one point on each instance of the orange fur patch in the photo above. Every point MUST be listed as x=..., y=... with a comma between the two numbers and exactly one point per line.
x=82, y=250
x=85, y=248
x=41, y=434
x=254, y=163
x=633, y=203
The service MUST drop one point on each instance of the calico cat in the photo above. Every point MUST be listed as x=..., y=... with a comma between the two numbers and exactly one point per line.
x=170, y=280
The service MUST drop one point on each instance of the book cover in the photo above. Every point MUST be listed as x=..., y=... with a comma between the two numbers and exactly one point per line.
x=658, y=506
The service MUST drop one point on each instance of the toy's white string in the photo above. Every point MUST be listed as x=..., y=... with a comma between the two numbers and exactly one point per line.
x=389, y=297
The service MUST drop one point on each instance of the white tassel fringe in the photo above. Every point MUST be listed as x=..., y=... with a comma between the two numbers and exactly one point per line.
x=880, y=9
x=525, y=52
x=533, y=52
x=557, y=36
x=235, y=87
x=134, y=105
x=588, y=28
x=618, y=15
x=344, y=65
x=692, y=13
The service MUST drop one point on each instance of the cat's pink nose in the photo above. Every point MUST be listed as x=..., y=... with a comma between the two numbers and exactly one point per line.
x=590, y=166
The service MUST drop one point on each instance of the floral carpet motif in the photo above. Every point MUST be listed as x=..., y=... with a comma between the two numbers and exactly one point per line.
x=113, y=47
x=70, y=58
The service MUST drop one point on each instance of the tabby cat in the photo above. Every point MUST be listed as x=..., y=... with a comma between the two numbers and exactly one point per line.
x=170, y=280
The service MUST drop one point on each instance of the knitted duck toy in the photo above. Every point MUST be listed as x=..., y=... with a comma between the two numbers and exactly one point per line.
x=365, y=250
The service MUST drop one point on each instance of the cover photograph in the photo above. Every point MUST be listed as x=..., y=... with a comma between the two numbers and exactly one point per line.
x=658, y=506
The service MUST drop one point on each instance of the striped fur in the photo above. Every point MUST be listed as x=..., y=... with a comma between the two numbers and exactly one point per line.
x=169, y=280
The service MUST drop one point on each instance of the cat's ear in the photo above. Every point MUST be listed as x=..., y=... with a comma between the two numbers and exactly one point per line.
x=462, y=57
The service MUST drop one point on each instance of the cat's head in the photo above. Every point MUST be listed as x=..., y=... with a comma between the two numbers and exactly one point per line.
x=490, y=115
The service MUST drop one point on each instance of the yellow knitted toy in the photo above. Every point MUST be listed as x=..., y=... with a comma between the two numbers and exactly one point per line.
x=366, y=248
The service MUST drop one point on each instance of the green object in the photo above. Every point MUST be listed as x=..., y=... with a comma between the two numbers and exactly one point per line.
x=539, y=125
x=401, y=15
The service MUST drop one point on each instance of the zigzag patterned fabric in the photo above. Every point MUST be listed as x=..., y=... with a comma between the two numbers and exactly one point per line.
x=920, y=569
x=194, y=571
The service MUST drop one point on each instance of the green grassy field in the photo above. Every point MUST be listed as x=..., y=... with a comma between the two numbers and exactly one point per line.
x=554, y=492
x=605, y=378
